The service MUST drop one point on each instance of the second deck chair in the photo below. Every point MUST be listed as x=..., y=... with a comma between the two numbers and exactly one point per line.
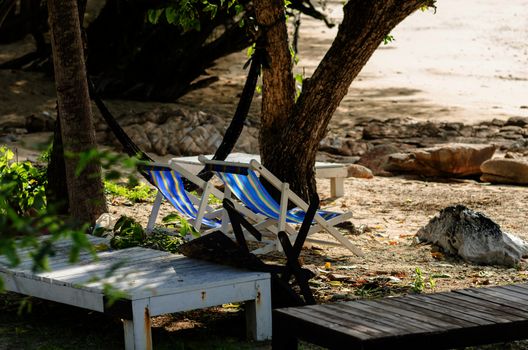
x=241, y=179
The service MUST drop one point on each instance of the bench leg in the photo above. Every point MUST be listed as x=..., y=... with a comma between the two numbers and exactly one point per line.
x=258, y=313
x=337, y=187
x=138, y=335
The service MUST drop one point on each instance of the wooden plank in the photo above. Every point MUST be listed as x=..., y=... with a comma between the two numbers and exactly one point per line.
x=66, y=295
x=392, y=315
x=288, y=327
x=523, y=286
x=482, y=305
x=320, y=312
x=359, y=332
x=369, y=316
x=394, y=309
x=497, y=298
x=518, y=288
x=429, y=316
x=56, y=261
x=60, y=246
x=470, y=317
x=480, y=316
x=73, y=272
x=432, y=312
x=512, y=292
x=214, y=280
x=422, y=302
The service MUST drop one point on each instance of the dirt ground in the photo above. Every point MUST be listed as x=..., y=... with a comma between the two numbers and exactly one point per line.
x=465, y=63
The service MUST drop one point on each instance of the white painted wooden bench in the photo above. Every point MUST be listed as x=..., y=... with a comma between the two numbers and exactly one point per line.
x=334, y=171
x=155, y=282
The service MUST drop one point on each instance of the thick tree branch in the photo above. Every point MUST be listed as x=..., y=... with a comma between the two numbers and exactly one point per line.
x=290, y=151
x=364, y=26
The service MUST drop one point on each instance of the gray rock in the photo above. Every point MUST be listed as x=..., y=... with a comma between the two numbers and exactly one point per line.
x=517, y=121
x=181, y=132
x=12, y=121
x=507, y=171
x=474, y=237
x=376, y=158
x=41, y=122
x=453, y=160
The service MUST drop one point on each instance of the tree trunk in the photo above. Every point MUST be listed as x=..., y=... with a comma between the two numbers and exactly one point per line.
x=85, y=190
x=57, y=187
x=289, y=141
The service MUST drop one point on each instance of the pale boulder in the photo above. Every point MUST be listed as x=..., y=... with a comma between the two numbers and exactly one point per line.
x=453, y=160
x=359, y=171
x=506, y=171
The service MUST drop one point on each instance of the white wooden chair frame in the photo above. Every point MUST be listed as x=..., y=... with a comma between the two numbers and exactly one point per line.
x=206, y=211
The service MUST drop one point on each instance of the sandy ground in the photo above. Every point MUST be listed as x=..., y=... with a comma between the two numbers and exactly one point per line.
x=465, y=63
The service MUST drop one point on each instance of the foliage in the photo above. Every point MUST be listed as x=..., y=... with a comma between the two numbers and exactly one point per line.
x=176, y=221
x=419, y=282
x=28, y=223
x=188, y=14
x=129, y=233
x=108, y=160
x=24, y=217
x=388, y=39
x=135, y=193
x=22, y=185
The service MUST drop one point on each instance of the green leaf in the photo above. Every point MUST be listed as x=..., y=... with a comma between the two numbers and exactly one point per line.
x=171, y=15
x=170, y=218
x=211, y=8
x=388, y=39
x=153, y=15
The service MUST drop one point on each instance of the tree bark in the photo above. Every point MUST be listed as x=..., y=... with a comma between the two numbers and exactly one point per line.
x=289, y=151
x=85, y=190
x=57, y=187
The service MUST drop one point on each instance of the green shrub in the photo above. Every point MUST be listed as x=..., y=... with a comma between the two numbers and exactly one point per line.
x=22, y=185
x=139, y=192
x=129, y=233
x=25, y=221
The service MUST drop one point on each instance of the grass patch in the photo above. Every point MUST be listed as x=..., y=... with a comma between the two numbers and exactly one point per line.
x=134, y=192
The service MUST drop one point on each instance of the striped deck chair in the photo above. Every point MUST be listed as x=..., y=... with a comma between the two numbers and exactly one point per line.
x=242, y=181
x=204, y=218
x=169, y=183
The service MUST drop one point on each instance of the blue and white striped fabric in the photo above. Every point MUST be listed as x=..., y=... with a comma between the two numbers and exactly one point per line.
x=250, y=191
x=170, y=184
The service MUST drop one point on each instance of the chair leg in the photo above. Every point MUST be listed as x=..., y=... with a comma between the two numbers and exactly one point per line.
x=295, y=269
x=154, y=212
x=343, y=240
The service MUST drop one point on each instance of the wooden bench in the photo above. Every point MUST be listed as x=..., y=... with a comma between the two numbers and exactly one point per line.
x=429, y=321
x=155, y=283
x=336, y=172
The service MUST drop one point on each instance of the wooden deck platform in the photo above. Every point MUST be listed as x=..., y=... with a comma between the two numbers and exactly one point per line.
x=429, y=321
x=155, y=283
